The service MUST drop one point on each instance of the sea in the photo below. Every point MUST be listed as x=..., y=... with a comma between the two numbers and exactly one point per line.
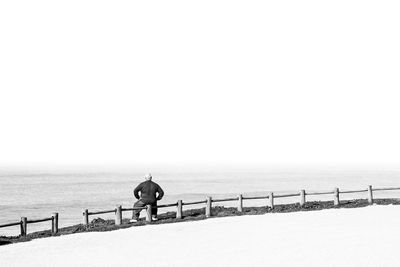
x=37, y=195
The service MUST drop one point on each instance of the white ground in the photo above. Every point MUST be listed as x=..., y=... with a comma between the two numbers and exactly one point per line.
x=347, y=237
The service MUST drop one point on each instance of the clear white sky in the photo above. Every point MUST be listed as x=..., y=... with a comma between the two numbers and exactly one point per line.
x=220, y=82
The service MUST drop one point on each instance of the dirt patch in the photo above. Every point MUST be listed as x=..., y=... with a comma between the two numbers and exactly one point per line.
x=101, y=225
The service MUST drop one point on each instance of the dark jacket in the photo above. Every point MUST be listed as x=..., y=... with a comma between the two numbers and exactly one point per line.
x=148, y=192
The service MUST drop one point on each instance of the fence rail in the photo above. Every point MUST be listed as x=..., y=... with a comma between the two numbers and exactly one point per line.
x=102, y=212
x=10, y=224
x=386, y=188
x=225, y=199
x=24, y=224
x=167, y=205
x=135, y=208
x=287, y=195
x=353, y=191
x=40, y=220
x=208, y=205
x=261, y=197
x=194, y=202
x=319, y=193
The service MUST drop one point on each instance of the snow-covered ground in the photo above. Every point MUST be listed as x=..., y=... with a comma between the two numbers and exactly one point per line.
x=337, y=237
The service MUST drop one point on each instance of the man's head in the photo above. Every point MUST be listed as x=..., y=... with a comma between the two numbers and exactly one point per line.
x=148, y=177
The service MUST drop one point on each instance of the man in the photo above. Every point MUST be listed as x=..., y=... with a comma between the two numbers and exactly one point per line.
x=150, y=192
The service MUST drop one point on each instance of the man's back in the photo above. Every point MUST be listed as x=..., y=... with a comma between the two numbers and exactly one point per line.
x=149, y=190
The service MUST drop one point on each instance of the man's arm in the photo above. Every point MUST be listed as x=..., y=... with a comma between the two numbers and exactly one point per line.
x=136, y=191
x=160, y=193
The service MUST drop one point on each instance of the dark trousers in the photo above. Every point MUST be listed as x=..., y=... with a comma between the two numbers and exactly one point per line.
x=140, y=203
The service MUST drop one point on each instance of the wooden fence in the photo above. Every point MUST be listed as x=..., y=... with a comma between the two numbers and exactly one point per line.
x=24, y=224
x=270, y=197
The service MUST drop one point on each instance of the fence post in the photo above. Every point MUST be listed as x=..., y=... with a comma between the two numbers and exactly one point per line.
x=240, y=203
x=271, y=200
x=370, y=197
x=302, y=198
x=208, y=207
x=54, y=225
x=148, y=213
x=24, y=226
x=86, y=217
x=336, y=196
x=179, y=210
x=118, y=215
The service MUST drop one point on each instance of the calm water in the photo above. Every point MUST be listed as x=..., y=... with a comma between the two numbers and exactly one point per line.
x=39, y=195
